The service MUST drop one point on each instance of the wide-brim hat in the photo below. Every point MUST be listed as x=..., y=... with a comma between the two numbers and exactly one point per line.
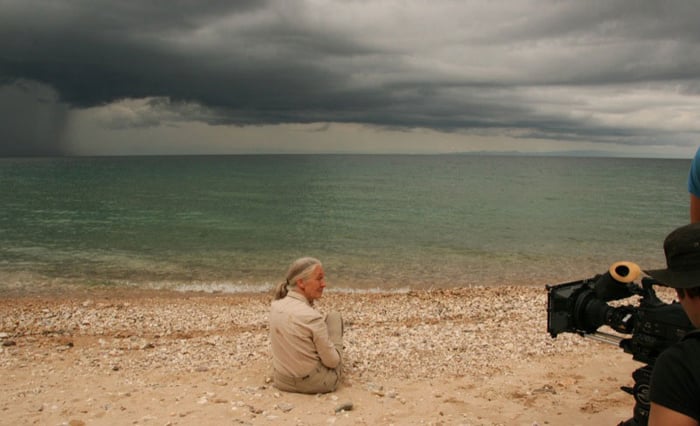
x=682, y=249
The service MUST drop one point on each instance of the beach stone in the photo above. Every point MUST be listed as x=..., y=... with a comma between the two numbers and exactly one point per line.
x=346, y=406
x=375, y=389
x=545, y=389
x=284, y=407
x=255, y=410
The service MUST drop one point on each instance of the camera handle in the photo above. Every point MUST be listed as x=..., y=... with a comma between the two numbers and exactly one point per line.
x=640, y=391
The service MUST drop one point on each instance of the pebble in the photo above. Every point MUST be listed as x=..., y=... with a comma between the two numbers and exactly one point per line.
x=284, y=407
x=346, y=406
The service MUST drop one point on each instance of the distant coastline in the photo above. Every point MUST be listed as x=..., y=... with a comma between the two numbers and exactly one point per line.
x=582, y=154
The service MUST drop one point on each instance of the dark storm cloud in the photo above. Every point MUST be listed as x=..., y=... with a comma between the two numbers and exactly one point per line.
x=447, y=65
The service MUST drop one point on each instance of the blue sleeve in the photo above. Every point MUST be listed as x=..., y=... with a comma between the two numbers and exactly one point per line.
x=694, y=175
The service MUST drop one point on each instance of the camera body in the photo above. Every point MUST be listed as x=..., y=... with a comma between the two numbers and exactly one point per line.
x=649, y=326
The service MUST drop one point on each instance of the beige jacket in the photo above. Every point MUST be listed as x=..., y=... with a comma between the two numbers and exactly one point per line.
x=299, y=337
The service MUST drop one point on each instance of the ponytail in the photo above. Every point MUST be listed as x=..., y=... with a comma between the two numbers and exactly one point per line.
x=281, y=290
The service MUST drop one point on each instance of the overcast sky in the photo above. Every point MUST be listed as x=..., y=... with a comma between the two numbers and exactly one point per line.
x=94, y=77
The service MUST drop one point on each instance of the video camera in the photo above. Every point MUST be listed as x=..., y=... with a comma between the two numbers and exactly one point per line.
x=582, y=307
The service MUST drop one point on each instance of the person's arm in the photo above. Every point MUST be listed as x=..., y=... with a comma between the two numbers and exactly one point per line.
x=673, y=390
x=694, y=208
x=326, y=349
x=694, y=188
x=662, y=416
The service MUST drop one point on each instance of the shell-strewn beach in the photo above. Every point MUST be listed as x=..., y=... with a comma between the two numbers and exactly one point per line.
x=472, y=356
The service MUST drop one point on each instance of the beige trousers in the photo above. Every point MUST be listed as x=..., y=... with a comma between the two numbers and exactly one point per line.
x=321, y=379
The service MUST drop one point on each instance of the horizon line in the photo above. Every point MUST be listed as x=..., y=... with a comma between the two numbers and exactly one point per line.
x=510, y=153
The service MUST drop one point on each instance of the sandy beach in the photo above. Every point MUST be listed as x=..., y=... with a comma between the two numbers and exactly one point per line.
x=472, y=356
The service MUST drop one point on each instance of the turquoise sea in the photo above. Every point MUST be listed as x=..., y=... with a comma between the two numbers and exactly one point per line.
x=385, y=222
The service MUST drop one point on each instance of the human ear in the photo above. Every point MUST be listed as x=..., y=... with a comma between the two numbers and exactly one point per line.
x=680, y=293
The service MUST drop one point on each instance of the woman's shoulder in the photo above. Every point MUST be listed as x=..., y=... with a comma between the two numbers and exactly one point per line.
x=296, y=306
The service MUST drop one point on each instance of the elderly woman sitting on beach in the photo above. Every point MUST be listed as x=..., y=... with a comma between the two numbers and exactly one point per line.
x=306, y=346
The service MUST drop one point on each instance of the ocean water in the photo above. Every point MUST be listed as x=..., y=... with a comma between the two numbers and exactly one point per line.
x=234, y=223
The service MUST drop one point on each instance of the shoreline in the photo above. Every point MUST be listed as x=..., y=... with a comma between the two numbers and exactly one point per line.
x=472, y=356
x=23, y=282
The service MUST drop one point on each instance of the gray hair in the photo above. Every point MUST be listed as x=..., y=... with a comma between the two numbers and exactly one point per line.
x=299, y=269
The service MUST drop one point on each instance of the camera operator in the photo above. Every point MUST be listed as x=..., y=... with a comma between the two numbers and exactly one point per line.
x=675, y=382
